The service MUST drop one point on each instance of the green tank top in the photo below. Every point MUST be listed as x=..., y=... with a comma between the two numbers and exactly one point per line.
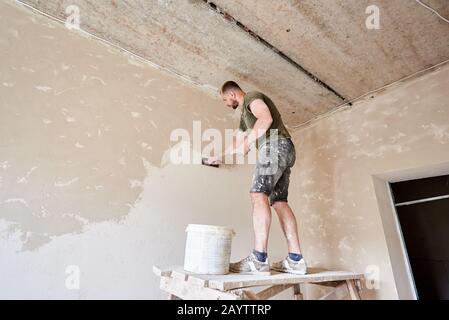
x=248, y=119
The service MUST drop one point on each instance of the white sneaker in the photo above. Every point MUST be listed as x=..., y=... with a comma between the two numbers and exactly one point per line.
x=250, y=265
x=290, y=266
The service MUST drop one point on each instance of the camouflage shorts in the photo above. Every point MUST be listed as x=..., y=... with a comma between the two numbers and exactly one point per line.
x=272, y=174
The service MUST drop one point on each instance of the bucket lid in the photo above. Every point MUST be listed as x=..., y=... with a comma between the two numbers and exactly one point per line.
x=209, y=228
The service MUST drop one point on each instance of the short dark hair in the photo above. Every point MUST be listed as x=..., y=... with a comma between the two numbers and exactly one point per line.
x=229, y=85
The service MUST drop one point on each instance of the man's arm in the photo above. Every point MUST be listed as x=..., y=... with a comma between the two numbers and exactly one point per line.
x=243, y=140
x=263, y=123
x=237, y=140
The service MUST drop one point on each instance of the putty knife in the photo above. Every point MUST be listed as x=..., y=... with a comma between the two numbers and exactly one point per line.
x=204, y=162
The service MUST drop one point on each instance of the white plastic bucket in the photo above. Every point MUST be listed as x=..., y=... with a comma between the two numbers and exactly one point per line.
x=208, y=249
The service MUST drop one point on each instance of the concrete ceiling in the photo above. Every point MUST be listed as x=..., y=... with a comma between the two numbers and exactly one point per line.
x=308, y=55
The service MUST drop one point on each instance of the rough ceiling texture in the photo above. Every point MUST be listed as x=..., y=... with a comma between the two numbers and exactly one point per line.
x=310, y=56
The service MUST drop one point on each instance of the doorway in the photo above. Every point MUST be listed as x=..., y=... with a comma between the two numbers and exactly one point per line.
x=422, y=208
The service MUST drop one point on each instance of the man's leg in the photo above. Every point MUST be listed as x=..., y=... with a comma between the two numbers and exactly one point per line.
x=257, y=262
x=289, y=225
x=273, y=163
x=262, y=185
x=261, y=220
x=294, y=263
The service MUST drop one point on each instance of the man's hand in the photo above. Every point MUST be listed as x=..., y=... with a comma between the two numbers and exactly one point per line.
x=243, y=149
x=213, y=160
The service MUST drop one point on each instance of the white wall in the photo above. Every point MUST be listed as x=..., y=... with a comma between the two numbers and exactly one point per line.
x=84, y=136
x=403, y=128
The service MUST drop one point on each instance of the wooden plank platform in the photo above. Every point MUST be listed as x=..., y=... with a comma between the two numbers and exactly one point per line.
x=186, y=285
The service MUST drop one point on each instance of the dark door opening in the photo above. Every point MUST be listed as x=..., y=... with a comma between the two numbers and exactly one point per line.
x=422, y=207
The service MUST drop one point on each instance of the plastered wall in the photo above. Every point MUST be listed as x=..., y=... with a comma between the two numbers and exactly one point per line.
x=405, y=127
x=85, y=179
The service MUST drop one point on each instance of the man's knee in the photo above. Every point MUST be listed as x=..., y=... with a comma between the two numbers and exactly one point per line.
x=258, y=197
x=279, y=206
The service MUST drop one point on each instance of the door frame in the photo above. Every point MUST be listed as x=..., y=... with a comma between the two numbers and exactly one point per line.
x=402, y=272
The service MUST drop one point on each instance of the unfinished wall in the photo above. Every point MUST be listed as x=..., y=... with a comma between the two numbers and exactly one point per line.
x=84, y=178
x=84, y=181
x=403, y=128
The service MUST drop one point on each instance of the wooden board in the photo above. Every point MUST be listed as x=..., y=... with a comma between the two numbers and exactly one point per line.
x=233, y=280
x=188, y=291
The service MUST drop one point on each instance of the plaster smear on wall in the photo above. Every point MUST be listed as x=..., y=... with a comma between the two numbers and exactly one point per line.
x=85, y=180
x=115, y=259
x=77, y=118
x=405, y=127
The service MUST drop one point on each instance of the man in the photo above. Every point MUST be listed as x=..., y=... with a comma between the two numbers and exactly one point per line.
x=271, y=178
